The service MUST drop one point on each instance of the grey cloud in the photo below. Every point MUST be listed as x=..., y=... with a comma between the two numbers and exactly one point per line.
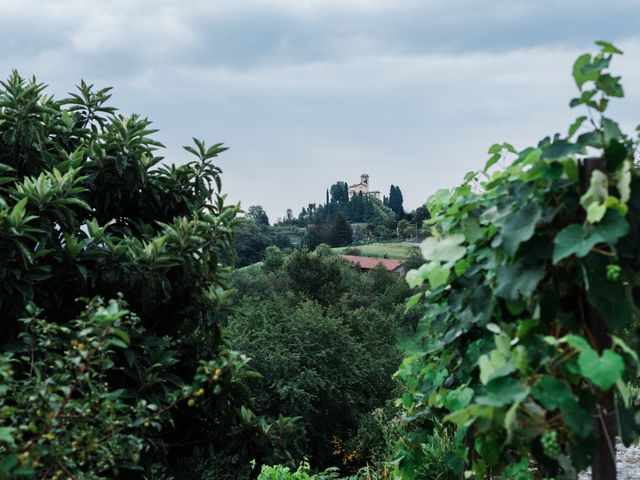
x=252, y=32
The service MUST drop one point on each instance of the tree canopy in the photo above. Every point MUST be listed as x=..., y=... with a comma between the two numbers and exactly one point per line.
x=112, y=280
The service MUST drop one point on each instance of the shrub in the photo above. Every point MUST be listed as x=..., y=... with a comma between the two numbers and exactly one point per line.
x=279, y=472
x=58, y=413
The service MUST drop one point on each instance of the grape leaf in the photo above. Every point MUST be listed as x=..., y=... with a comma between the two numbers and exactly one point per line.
x=603, y=370
x=447, y=249
x=518, y=226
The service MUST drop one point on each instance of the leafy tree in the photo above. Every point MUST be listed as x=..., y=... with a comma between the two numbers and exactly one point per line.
x=341, y=232
x=325, y=352
x=87, y=211
x=314, y=275
x=357, y=209
x=531, y=303
x=273, y=258
x=421, y=214
x=281, y=240
x=312, y=237
x=258, y=215
x=405, y=229
x=339, y=192
x=251, y=242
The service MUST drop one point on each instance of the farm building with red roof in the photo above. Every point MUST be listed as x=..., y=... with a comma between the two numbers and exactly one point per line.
x=368, y=263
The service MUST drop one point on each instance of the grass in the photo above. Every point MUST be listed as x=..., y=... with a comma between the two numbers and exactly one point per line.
x=399, y=251
x=248, y=268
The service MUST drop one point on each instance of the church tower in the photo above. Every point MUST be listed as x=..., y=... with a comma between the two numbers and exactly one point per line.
x=362, y=188
x=364, y=180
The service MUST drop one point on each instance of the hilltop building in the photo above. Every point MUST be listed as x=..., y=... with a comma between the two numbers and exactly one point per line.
x=362, y=188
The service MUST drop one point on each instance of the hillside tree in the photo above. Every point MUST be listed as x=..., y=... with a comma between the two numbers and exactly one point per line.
x=258, y=215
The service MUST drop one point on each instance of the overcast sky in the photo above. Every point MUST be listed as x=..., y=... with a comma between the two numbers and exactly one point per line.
x=308, y=92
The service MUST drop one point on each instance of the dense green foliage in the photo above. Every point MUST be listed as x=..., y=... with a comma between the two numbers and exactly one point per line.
x=258, y=215
x=329, y=223
x=516, y=274
x=370, y=219
x=394, y=201
x=339, y=192
x=321, y=334
x=86, y=211
x=303, y=472
x=251, y=240
x=63, y=417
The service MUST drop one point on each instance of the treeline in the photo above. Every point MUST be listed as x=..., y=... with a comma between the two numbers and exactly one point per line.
x=253, y=235
x=357, y=209
x=370, y=218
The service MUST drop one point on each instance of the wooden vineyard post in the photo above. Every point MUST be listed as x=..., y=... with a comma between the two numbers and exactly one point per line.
x=603, y=465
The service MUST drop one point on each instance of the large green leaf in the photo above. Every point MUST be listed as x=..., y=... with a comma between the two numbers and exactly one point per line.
x=612, y=227
x=551, y=393
x=572, y=240
x=517, y=280
x=609, y=297
x=435, y=273
x=458, y=399
x=560, y=149
x=554, y=394
x=576, y=125
x=447, y=249
x=503, y=391
x=518, y=226
x=576, y=240
x=413, y=278
x=611, y=130
x=6, y=434
x=603, y=370
x=579, y=75
x=576, y=417
x=493, y=366
x=610, y=85
x=608, y=47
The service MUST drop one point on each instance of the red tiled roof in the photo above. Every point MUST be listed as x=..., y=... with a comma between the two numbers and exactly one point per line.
x=367, y=263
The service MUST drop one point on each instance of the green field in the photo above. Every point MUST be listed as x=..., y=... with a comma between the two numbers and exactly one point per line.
x=294, y=234
x=398, y=251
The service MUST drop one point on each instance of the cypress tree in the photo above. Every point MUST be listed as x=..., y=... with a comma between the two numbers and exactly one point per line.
x=312, y=237
x=341, y=231
x=395, y=200
x=399, y=201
